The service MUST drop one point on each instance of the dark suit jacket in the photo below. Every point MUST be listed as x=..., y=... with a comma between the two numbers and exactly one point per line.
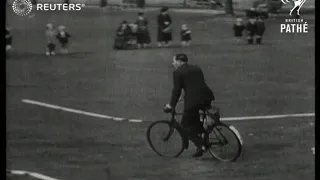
x=190, y=78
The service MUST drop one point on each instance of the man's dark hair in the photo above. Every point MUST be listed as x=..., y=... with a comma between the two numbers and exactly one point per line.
x=181, y=57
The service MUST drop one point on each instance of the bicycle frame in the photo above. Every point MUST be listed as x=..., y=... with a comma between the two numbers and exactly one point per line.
x=214, y=134
x=174, y=124
x=203, y=116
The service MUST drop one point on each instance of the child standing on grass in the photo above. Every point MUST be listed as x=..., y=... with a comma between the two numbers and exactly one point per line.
x=50, y=40
x=185, y=34
x=142, y=34
x=252, y=29
x=8, y=39
x=238, y=28
x=261, y=27
x=63, y=38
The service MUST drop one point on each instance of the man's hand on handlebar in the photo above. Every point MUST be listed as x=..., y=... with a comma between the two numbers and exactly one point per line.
x=167, y=108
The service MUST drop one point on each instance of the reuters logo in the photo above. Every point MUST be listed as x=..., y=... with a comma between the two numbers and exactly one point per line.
x=22, y=7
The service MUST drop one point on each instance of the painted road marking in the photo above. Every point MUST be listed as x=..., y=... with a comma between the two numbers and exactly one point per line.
x=267, y=117
x=139, y=120
x=31, y=174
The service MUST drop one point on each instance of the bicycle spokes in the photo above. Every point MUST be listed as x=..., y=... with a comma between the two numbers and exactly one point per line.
x=219, y=135
x=171, y=130
x=224, y=145
x=164, y=139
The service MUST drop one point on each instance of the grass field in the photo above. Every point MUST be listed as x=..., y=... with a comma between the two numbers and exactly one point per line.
x=274, y=78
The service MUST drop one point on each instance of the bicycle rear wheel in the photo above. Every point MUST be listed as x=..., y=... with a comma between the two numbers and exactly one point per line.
x=225, y=143
x=165, y=139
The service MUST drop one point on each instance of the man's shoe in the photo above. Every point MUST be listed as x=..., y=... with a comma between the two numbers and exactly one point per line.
x=186, y=143
x=198, y=153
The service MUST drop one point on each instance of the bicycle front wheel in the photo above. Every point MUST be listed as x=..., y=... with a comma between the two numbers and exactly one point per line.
x=165, y=139
x=225, y=143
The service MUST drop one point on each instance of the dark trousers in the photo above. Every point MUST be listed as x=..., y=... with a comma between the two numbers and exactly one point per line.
x=192, y=125
x=9, y=40
x=51, y=47
x=143, y=38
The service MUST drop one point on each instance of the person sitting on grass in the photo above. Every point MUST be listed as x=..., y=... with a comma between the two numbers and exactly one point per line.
x=123, y=36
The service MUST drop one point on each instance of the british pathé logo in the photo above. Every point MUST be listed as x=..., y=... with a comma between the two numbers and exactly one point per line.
x=296, y=4
x=294, y=26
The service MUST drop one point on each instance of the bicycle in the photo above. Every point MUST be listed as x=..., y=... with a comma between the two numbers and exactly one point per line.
x=214, y=129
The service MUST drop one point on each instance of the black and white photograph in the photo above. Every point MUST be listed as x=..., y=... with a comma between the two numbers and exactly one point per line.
x=160, y=89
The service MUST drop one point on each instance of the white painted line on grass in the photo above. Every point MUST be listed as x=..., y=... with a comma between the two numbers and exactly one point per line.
x=267, y=117
x=32, y=174
x=67, y=109
x=135, y=120
x=118, y=118
x=138, y=120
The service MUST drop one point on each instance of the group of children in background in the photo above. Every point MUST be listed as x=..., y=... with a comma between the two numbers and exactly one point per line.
x=61, y=35
x=255, y=27
x=51, y=34
x=133, y=34
x=137, y=34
